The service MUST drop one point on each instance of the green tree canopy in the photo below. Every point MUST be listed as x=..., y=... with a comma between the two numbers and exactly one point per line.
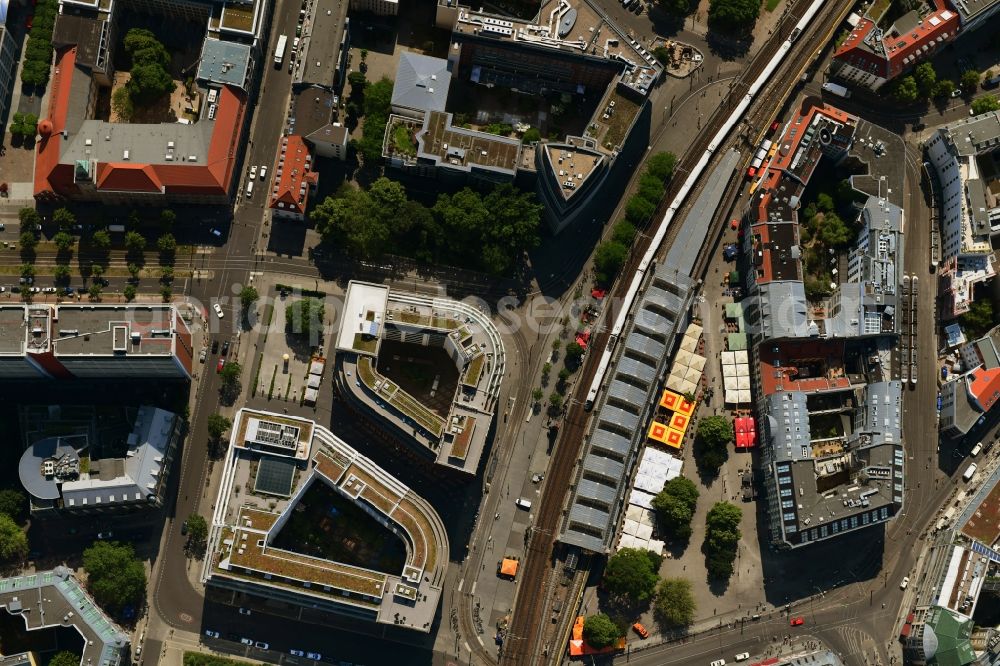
x=64, y=241
x=168, y=218
x=734, y=15
x=305, y=317
x=722, y=536
x=230, y=374
x=906, y=90
x=64, y=218
x=128, y=292
x=624, y=232
x=926, y=78
x=13, y=540
x=166, y=244
x=674, y=605
x=675, y=505
x=609, y=257
x=14, y=503
x=101, y=240
x=676, y=8
x=28, y=240
x=970, y=80
x=639, y=209
x=532, y=135
x=574, y=355
x=149, y=82
x=29, y=219
x=135, y=242
x=985, y=104
x=197, y=534
x=65, y=658
x=600, y=631
x=661, y=165
x=834, y=231
x=651, y=188
x=115, y=576
x=712, y=441
x=978, y=321
x=944, y=88
x=248, y=296
x=631, y=573
x=218, y=425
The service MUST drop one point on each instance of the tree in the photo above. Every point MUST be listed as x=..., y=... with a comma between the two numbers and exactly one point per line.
x=350, y=220
x=166, y=293
x=675, y=505
x=662, y=165
x=532, y=135
x=364, y=55
x=834, y=232
x=537, y=395
x=651, y=188
x=167, y=274
x=674, y=606
x=978, y=321
x=27, y=270
x=624, y=232
x=358, y=82
x=168, y=218
x=926, y=78
x=94, y=292
x=14, y=503
x=969, y=81
x=122, y=105
x=30, y=219
x=28, y=240
x=639, y=209
x=631, y=574
x=248, y=296
x=101, y=241
x=711, y=442
x=511, y=226
x=600, y=631
x=734, y=15
x=64, y=218
x=166, y=244
x=218, y=425
x=676, y=8
x=944, y=88
x=609, y=257
x=722, y=536
x=115, y=576
x=985, y=104
x=305, y=317
x=574, y=355
x=230, y=374
x=129, y=292
x=133, y=270
x=13, y=540
x=906, y=90
x=555, y=402
x=61, y=273
x=65, y=658
x=135, y=242
x=64, y=241
x=197, y=531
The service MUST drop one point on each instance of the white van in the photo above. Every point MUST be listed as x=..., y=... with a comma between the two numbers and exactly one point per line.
x=970, y=471
x=249, y=191
x=976, y=449
x=523, y=503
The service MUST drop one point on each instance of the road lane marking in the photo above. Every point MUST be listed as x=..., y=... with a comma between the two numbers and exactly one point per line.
x=460, y=584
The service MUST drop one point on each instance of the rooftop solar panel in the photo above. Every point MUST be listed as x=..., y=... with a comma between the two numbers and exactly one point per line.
x=275, y=476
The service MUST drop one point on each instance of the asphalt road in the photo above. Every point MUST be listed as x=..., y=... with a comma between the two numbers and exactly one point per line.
x=177, y=602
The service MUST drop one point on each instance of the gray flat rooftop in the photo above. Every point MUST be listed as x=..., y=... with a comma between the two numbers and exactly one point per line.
x=145, y=144
x=105, y=330
x=224, y=62
x=12, y=329
x=319, y=46
x=421, y=82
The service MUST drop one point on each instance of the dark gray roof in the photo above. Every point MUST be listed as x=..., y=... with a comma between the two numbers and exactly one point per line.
x=782, y=308
x=609, y=455
x=421, y=82
x=29, y=469
x=224, y=62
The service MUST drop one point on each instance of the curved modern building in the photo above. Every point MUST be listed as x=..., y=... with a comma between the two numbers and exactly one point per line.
x=447, y=423
x=304, y=520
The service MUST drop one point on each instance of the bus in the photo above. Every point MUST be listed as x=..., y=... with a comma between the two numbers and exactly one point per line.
x=279, y=51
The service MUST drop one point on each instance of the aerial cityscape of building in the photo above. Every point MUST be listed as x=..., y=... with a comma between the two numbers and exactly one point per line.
x=596, y=331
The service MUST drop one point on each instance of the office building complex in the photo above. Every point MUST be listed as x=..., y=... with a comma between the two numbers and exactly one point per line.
x=962, y=155
x=445, y=421
x=826, y=402
x=376, y=551
x=573, y=57
x=968, y=396
x=93, y=342
x=8, y=63
x=53, y=473
x=192, y=160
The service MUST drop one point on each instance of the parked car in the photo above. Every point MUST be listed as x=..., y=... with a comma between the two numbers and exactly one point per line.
x=211, y=634
x=203, y=355
x=742, y=656
x=246, y=641
x=105, y=535
x=216, y=233
x=184, y=528
x=297, y=653
x=261, y=645
x=218, y=368
x=225, y=347
x=215, y=346
x=218, y=310
x=797, y=621
x=263, y=172
x=718, y=662
x=253, y=171
x=314, y=655
x=903, y=583
x=641, y=630
x=244, y=611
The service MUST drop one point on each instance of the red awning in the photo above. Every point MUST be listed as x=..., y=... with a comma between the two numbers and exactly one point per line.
x=583, y=338
x=598, y=293
x=742, y=440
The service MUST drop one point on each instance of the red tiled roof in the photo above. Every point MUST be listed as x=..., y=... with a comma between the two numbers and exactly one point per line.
x=854, y=52
x=934, y=30
x=212, y=178
x=794, y=366
x=50, y=176
x=985, y=387
x=293, y=165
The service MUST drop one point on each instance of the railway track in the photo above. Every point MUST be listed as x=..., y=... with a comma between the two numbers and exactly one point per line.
x=521, y=646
